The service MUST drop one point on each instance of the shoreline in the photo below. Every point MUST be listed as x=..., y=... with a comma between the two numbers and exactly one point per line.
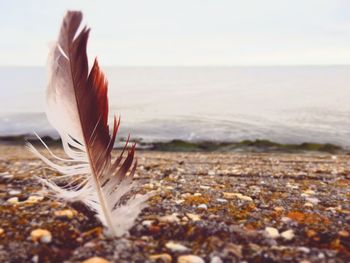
x=176, y=145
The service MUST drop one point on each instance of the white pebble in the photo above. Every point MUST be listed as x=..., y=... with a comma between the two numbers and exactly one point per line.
x=271, y=232
x=288, y=234
x=176, y=247
x=203, y=206
x=190, y=259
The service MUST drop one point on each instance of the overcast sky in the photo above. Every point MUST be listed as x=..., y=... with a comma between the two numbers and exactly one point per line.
x=184, y=32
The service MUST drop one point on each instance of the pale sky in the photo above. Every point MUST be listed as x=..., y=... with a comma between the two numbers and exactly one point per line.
x=184, y=32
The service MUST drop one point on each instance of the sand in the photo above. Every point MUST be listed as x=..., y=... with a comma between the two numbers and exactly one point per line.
x=208, y=207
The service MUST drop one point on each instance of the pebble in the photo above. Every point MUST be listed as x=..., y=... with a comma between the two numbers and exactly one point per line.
x=204, y=187
x=343, y=233
x=288, y=234
x=14, y=192
x=189, y=259
x=237, y=195
x=197, y=194
x=285, y=219
x=13, y=200
x=179, y=201
x=96, y=260
x=42, y=235
x=6, y=175
x=202, y=206
x=308, y=193
x=312, y=200
x=170, y=218
x=308, y=204
x=221, y=200
x=165, y=258
x=279, y=209
x=2, y=231
x=216, y=259
x=193, y=217
x=34, y=199
x=67, y=213
x=271, y=232
x=147, y=223
x=176, y=247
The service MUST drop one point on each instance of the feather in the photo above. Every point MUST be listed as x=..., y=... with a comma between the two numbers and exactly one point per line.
x=77, y=107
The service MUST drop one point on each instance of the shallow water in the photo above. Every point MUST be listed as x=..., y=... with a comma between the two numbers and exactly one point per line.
x=283, y=104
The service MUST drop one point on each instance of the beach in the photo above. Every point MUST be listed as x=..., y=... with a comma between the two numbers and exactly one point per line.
x=207, y=207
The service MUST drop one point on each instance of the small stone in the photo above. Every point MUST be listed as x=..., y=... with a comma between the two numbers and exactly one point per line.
x=308, y=204
x=42, y=235
x=96, y=260
x=2, y=231
x=193, y=217
x=173, y=218
x=204, y=187
x=279, y=209
x=343, y=233
x=34, y=199
x=67, y=213
x=189, y=259
x=165, y=258
x=147, y=223
x=271, y=232
x=285, y=219
x=313, y=200
x=216, y=259
x=6, y=175
x=211, y=173
x=176, y=247
x=308, y=193
x=14, y=192
x=13, y=200
x=221, y=201
x=202, y=206
x=197, y=194
x=179, y=201
x=237, y=195
x=288, y=234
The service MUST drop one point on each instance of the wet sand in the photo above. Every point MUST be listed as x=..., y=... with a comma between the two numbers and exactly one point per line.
x=217, y=207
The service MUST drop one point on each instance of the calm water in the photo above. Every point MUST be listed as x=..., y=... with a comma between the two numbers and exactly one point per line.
x=284, y=104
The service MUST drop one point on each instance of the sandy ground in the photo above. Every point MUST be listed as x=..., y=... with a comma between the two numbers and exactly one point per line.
x=208, y=207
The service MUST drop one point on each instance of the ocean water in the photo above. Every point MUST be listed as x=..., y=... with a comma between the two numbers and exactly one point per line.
x=283, y=104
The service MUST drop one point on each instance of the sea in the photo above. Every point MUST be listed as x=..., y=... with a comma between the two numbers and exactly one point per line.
x=285, y=104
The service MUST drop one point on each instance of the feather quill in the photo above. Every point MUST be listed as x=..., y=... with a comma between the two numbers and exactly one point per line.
x=77, y=107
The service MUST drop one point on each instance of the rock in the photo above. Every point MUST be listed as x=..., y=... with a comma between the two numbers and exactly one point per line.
x=6, y=175
x=176, y=247
x=96, y=260
x=147, y=223
x=179, y=201
x=308, y=204
x=67, y=213
x=13, y=200
x=42, y=235
x=211, y=173
x=279, y=209
x=288, y=234
x=197, y=194
x=285, y=219
x=202, y=206
x=343, y=233
x=237, y=195
x=271, y=232
x=308, y=193
x=193, y=217
x=165, y=258
x=34, y=199
x=312, y=200
x=222, y=201
x=2, y=231
x=234, y=249
x=170, y=218
x=204, y=187
x=216, y=259
x=14, y=192
x=190, y=259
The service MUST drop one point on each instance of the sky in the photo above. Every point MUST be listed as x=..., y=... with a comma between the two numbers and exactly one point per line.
x=184, y=32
